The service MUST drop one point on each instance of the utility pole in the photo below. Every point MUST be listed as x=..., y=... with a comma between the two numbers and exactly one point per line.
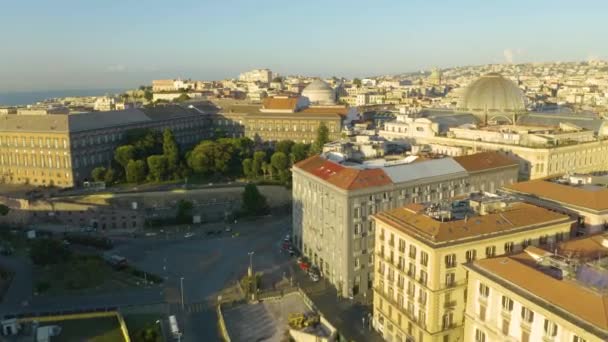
x=252, y=275
x=181, y=281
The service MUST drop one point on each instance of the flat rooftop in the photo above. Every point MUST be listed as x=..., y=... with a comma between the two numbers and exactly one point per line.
x=416, y=220
x=587, y=197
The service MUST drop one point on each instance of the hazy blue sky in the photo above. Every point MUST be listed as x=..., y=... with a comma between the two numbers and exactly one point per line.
x=67, y=44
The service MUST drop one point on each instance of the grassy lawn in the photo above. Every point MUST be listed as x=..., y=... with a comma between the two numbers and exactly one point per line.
x=144, y=324
x=81, y=274
x=103, y=329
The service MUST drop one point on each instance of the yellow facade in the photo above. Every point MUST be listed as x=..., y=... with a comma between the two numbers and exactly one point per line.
x=420, y=286
x=36, y=158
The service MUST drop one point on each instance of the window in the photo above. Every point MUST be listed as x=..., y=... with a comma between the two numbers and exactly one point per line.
x=422, y=296
x=411, y=270
x=423, y=277
x=471, y=255
x=450, y=279
x=525, y=336
x=490, y=251
x=424, y=258
x=505, y=327
x=357, y=263
x=357, y=213
x=412, y=251
x=447, y=320
x=578, y=339
x=484, y=290
x=450, y=260
x=357, y=228
x=482, y=312
x=480, y=336
x=550, y=328
x=527, y=315
x=526, y=243
x=507, y=303
x=401, y=245
x=508, y=247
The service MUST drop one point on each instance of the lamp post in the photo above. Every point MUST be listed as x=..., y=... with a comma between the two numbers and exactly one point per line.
x=252, y=275
x=181, y=282
x=251, y=263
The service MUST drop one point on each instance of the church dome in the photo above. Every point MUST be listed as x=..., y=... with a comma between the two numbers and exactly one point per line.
x=492, y=94
x=319, y=92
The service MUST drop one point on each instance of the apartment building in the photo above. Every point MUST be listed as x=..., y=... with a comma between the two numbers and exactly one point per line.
x=552, y=295
x=333, y=204
x=420, y=285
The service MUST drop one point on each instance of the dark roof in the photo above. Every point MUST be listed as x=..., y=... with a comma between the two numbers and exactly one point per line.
x=586, y=121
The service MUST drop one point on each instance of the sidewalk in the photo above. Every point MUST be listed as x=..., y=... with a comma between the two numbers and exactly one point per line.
x=349, y=317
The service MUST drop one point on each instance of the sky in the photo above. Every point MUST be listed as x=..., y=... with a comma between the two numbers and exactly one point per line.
x=94, y=44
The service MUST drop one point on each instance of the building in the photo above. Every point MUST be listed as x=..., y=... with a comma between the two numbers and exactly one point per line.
x=419, y=283
x=333, y=204
x=257, y=75
x=588, y=201
x=319, y=93
x=62, y=149
x=558, y=294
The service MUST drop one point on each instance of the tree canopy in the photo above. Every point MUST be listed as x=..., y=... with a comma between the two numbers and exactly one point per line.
x=254, y=203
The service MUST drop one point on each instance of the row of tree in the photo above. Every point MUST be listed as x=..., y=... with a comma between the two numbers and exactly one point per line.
x=149, y=156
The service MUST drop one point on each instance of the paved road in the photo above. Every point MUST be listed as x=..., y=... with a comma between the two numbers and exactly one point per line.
x=207, y=264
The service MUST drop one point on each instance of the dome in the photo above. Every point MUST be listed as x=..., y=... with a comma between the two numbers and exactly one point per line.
x=319, y=92
x=492, y=93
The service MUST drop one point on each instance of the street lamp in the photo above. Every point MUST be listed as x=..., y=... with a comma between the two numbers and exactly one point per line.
x=181, y=282
x=251, y=263
x=252, y=275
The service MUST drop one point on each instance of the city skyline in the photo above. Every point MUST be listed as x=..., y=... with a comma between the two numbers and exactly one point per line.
x=69, y=45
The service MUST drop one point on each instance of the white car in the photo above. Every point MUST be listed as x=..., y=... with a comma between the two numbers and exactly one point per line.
x=314, y=277
x=189, y=235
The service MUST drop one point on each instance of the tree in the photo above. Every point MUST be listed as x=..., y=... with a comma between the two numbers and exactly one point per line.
x=299, y=152
x=357, y=82
x=322, y=138
x=254, y=203
x=98, y=174
x=148, y=95
x=259, y=157
x=201, y=158
x=224, y=158
x=184, y=211
x=158, y=167
x=136, y=171
x=110, y=176
x=247, y=168
x=170, y=150
x=48, y=251
x=4, y=210
x=284, y=146
x=181, y=98
x=277, y=79
x=280, y=163
x=123, y=154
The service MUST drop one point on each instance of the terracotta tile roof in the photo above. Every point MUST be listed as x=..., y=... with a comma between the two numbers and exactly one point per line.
x=519, y=270
x=286, y=103
x=570, y=195
x=485, y=161
x=343, y=177
x=411, y=220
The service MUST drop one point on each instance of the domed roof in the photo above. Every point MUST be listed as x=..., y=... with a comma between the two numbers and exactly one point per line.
x=492, y=93
x=319, y=92
x=318, y=85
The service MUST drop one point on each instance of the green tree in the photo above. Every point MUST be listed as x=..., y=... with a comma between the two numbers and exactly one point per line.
x=201, y=158
x=170, y=150
x=98, y=174
x=4, y=210
x=280, y=163
x=247, y=168
x=184, y=211
x=357, y=82
x=110, y=176
x=277, y=79
x=299, y=152
x=158, y=167
x=322, y=138
x=259, y=158
x=181, y=98
x=225, y=158
x=254, y=203
x=48, y=251
x=284, y=146
x=123, y=154
x=136, y=171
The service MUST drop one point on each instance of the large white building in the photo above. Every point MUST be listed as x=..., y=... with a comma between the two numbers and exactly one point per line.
x=257, y=75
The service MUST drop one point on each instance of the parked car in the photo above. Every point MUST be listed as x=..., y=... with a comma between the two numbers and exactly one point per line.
x=314, y=277
x=228, y=229
x=6, y=250
x=188, y=235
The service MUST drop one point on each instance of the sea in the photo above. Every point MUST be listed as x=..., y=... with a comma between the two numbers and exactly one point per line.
x=30, y=97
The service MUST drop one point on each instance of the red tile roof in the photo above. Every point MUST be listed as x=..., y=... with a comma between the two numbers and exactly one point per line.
x=286, y=103
x=343, y=177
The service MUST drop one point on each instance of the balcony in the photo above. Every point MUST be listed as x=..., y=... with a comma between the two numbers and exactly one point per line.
x=449, y=305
